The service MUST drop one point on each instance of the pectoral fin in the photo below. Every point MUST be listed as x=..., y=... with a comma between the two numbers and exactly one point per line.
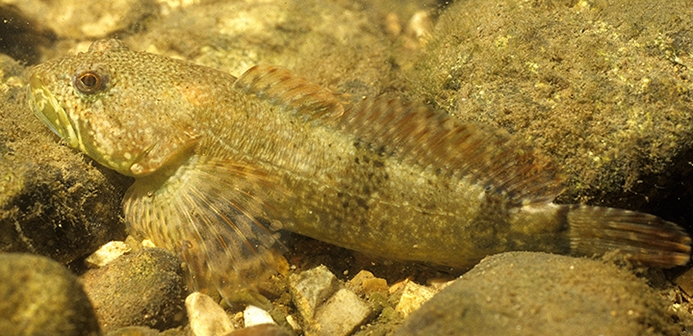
x=214, y=213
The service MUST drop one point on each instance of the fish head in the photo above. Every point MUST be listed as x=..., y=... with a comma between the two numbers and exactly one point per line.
x=115, y=105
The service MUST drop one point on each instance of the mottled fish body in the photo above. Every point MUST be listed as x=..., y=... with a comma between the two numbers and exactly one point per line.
x=221, y=163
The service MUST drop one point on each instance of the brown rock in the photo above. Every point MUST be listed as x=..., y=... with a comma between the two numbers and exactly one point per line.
x=144, y=288
x=365, y=283
x=38, y=296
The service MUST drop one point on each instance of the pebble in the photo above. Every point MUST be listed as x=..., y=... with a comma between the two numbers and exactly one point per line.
x=523, y=293
x=39, y=296
x=253, y=316
x=61, y=209
x=207, y=318
x=503, y=64
x=107, y=253
x=685, y=281
x=341, y=314
x=413, y=296
x=143, y=288
x=365, y=283
x=311, y=288
x=327, y=307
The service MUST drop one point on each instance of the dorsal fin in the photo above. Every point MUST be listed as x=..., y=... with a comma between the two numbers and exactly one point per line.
x=431, y=139
x=417, y=135
x=281, y=87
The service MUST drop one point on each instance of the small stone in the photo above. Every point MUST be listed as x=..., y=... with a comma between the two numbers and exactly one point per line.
x=685, y=281
x=311, y=288
x=207, y=318
x=413, y=296
x=341, y=314
x=144, y=288
x=146, y=243
x=38, y=296
x=261, y=330
x=365, y=283
x=255, y=316
x=107, y=253
x=291, y=320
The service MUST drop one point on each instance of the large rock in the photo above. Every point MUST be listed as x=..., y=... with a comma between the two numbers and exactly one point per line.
x=602, y=86
x=523, y=293
x=39, y=296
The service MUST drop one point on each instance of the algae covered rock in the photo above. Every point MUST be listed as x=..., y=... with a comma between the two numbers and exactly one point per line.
x=523, y=293
x=602, y=86
x=38, y=296
x=144, y=288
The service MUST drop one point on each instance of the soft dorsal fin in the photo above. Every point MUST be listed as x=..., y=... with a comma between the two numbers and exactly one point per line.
x=418, y=135
x=486, y=156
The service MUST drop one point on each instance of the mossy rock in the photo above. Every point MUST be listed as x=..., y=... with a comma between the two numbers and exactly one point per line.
x=601, y=86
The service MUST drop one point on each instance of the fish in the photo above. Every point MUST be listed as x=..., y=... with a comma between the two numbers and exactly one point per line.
x=223, y=164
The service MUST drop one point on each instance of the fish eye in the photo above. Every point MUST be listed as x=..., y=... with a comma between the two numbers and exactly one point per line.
x=89, y=82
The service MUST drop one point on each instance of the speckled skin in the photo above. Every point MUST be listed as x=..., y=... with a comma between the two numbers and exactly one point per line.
x=220, y=163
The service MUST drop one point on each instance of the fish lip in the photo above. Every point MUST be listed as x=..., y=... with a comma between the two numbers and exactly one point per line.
x=46, y=107
x=35, y=82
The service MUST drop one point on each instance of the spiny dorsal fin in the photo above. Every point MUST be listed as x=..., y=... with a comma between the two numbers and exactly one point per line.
x=281, y=87
x=425, y=137
x=213, y=214
x=417, y=135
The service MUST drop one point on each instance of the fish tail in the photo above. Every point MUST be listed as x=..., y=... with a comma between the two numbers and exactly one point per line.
x=645, y=239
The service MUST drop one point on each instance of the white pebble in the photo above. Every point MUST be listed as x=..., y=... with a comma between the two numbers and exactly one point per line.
x=413, y=297
x=255, y=316
x=207, y=318
x=107, y=253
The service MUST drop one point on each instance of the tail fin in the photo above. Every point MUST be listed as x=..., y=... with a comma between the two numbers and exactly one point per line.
x=646, y=239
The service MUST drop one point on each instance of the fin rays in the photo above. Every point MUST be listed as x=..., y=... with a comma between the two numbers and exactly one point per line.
x=647, y=239
x=281, y=87
x=421, y=136
x=213, y=216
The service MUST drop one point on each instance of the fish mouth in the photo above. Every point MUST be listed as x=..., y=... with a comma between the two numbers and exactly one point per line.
x=47, y=108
